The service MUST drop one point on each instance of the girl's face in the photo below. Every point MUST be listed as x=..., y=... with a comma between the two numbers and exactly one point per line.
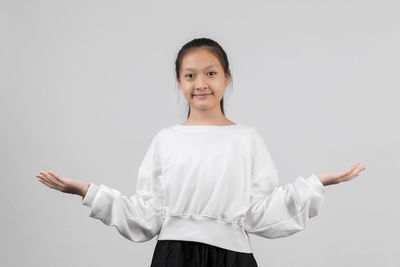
x=202, y=74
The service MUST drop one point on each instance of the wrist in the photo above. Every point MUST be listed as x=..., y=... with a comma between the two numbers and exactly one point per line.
x=84, y=189
x=323, y=181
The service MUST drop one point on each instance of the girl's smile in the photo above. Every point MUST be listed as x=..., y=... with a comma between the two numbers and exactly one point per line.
x=202, y=96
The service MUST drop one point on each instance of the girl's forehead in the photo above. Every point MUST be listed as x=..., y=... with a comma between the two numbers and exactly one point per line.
x=202, y=53
x=195, y=61
x=204, y=68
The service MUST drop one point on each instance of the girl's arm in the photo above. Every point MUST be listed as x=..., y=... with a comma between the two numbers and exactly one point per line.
x=138, y=217
x=276, y=210
x=279, y=211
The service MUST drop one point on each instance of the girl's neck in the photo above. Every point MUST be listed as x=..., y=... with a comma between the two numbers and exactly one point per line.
x=224, y=122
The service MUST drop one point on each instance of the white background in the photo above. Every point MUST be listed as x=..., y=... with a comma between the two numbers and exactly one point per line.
x=85, y=85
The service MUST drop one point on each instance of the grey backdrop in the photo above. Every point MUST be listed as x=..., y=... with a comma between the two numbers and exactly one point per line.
x=85, y=85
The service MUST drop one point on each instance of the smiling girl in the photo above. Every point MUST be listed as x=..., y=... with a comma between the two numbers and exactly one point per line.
x=204, y=185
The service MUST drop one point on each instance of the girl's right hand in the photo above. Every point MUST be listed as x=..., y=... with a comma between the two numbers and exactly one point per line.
x=63, y=184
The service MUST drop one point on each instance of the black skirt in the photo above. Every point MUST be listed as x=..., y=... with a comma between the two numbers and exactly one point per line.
x=182, y=253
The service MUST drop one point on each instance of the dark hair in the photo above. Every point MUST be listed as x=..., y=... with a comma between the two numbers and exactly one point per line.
x=212, y=47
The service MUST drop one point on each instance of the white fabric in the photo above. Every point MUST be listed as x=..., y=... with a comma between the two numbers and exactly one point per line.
x=210, y=184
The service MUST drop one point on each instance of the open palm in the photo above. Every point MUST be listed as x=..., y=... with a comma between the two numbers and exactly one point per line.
x=338, y=177
x=63, y=184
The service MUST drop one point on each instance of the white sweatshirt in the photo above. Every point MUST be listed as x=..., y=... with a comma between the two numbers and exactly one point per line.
x=210, y=184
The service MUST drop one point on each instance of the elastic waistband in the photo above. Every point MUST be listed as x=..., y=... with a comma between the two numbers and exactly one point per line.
x=207, y=230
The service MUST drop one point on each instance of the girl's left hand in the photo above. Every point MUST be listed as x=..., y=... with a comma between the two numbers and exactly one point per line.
x=338, y=177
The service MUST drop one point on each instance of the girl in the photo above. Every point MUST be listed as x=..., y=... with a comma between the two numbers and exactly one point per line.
x=207, y=183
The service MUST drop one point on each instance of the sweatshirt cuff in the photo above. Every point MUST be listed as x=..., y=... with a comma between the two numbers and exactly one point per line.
x=316, y=184
x=90, y=195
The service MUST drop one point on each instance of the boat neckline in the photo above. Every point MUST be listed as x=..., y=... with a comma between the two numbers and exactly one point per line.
x=229, y=126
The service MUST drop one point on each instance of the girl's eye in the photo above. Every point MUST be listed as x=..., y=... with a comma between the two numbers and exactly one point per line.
x=187, y=75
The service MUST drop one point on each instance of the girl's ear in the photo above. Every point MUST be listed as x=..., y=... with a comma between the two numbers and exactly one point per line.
x=227, y=80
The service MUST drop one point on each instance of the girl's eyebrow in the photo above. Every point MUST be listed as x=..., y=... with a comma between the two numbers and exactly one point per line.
x=214, y=65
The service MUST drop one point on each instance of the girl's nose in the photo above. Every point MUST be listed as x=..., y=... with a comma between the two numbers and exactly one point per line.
x=201, y=87
x=201, y=83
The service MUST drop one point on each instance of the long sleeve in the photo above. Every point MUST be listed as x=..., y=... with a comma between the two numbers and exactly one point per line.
x=275, y=210
x=137, y=218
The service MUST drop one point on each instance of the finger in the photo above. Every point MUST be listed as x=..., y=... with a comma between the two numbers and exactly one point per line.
x=347, y=174
x=48, y=178
x=45, y=183
x=356, y=173
x=352, y=170
x=353, y=176
x=359, y=170
x=42, y=175
x=55, y=176
x=42, y=181
x=355, y=166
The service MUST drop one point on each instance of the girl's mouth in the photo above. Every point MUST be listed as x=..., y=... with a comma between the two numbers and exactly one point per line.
x=202, y=96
